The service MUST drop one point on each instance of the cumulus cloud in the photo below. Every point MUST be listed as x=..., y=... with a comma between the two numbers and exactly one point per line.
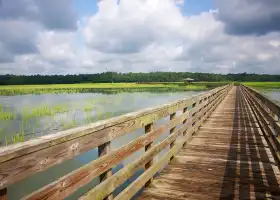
x=52, y=14
x=22, y=21
x=243, y=17
x=135, y=35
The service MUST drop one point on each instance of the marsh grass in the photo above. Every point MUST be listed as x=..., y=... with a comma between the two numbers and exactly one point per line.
x=23, y=123
x=108, y=88
x=29, y=118
x=264, y=85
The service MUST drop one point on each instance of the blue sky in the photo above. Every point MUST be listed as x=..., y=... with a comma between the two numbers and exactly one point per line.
x=190, y=7
x=86, y=7
x=193, y=7
x=47, y=37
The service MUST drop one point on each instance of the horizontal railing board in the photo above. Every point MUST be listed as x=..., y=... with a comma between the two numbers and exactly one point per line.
x=40, y=160
x=264, y=123
x=266, y=119
x=266, y=101
x=76, y=179
x=25, y=159
x=20, y=149
x=267, y=115
x=107, y=187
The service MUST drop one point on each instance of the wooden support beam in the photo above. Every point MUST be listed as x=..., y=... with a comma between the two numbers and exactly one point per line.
x=3, y=194
x=20, y=161
x=102, y=151
x=148, y=129
x=172, y=116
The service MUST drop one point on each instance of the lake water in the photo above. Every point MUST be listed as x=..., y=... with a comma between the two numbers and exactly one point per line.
x=273, y=95
x=37, y=115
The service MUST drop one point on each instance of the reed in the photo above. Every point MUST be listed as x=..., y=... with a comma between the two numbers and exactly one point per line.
x=98, y=88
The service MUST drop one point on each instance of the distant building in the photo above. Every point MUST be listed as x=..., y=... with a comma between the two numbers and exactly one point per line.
x=188, y=80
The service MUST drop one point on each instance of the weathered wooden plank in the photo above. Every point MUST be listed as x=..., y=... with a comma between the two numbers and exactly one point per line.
x=267, y=102
x=33, y=159
x=20, y=149
x=3, y=194
x=76, y=179
x=272, y=122
x=25, y=159
x=149, y=128
x=108, y=186
x=265, y=125
x=133, y=188
x=172, y=130
x=185, y=121
x=104, y=150
x=200, y=174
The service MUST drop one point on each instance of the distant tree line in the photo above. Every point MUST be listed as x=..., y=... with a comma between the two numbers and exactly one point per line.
x=109, y=77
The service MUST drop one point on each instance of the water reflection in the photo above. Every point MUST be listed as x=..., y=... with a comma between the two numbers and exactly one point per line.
x=115, y=103
x=273, y=95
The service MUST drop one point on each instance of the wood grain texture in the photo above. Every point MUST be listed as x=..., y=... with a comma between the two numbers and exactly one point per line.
x=76, y=179
x=3, y=194
x=172, y=116
x=149, y=128
x=267, y=114
x=22, y=160
x=274, y=108
x=108, y=186
x=268, y=124
x=28, y=158
x=133, y=188
x=100, y=191
x=228, y=158
x=104, y=150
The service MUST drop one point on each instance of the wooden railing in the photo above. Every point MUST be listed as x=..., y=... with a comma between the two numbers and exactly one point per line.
x=22, y=160
x=268, y=116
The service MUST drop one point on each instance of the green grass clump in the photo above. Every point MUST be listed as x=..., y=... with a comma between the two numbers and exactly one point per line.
x=6, y=115
x=263, y=85
x=19, y=137
x=99, y=87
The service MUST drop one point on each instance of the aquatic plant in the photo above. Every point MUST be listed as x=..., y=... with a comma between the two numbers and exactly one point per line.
x=6, y=115
x=108, y=88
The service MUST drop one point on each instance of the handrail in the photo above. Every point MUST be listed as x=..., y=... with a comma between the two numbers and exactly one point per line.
x=22, y=160
x=268, y=115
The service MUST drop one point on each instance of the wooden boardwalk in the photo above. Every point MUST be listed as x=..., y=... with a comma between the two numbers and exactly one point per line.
x=223, y=144
x=228, y=158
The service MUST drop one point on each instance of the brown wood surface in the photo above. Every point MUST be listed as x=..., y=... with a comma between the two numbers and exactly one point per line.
x=108, y=186
x=25, y=159
x=149, y=128
x=3, y=194
x=134, y=187
x=229, y=157
x=30, y=157
x=81, y=176
x=104, y=150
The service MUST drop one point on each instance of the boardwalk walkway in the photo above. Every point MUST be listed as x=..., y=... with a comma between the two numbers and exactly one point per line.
x=228, y=158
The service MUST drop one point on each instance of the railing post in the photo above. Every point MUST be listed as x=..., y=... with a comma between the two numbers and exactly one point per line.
x=3, y=194
x=103, y=150
x=184, y=122
x=149, y=128
x=193, y=114
x=172, y=116
x=200, y=110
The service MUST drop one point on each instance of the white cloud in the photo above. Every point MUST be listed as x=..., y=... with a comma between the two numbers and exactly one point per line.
x=147, y=35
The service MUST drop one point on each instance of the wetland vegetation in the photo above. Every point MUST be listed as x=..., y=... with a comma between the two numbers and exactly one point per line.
x=110, y=88
x=23, y=117
x=28, y=111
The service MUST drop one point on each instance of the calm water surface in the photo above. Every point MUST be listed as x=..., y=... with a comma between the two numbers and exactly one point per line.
x=273, y=95
x=79, y=109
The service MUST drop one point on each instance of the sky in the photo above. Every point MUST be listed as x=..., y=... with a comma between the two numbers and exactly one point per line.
x=91, y=36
